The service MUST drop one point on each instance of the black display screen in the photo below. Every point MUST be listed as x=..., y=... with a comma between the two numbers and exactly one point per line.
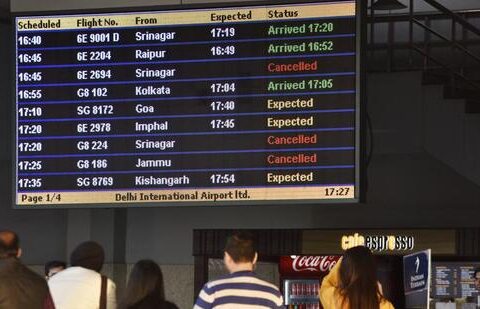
x=455, y=280
x=226, y=105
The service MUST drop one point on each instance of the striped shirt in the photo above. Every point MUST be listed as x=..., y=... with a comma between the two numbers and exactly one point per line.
x=239, y=290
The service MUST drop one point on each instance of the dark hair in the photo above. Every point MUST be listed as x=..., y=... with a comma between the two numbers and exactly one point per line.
x=9, y=244
x=54, y=264
x=241, y=246
x=88, y=255
x=358, y=279
x=145, y=281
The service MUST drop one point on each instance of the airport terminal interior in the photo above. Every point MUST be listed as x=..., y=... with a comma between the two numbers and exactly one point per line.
x=158, y=129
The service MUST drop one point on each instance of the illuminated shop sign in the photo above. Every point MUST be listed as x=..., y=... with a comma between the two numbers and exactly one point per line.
x=379, y=243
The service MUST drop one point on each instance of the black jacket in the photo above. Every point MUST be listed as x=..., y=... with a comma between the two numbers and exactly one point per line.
x=153, y=302
x=21, y=288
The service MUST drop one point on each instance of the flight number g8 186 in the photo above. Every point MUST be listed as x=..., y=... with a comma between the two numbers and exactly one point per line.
x=95, y=164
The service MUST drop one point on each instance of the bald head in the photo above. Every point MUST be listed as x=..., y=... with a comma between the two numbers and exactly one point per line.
x=9, y=244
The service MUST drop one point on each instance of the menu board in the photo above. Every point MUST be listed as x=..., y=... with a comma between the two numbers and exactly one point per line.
x=213, y=106
x=454, y=280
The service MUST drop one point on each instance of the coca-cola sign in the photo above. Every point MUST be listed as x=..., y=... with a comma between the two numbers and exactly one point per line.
x=307, y=265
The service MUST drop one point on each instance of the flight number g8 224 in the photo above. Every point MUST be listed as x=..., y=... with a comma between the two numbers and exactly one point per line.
x=92, y=145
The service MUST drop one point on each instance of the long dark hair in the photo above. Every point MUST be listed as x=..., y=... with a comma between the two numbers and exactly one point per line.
x=358, y=279
x=145, y=281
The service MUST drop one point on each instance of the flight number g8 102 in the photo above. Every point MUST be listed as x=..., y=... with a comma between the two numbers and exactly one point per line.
x=92, y=92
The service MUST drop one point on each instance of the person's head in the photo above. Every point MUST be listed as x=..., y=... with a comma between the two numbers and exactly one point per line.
x=146, y=279
x=240, y=252
x=358, y=279
x=9, y=245
x=88, y=255
x=476, y=277
x=54, y=267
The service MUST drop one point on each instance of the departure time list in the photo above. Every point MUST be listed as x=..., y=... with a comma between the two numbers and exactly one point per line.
x=207, y=106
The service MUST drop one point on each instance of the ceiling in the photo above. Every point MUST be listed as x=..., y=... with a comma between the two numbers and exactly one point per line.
x=4, y=4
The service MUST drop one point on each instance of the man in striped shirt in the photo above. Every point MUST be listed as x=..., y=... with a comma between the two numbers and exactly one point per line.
x=241, y=289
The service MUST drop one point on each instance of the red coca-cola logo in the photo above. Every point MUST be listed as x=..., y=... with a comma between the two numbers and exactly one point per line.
x=311, y=264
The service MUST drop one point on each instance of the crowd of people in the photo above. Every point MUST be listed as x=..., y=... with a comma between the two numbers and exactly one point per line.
x=351, y=284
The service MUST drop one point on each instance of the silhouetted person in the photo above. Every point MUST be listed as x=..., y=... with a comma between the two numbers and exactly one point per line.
x=20, y=288
x=353, y=283
x=145, y=289
x=241, y=288
x=81, y=286
x=53, y=267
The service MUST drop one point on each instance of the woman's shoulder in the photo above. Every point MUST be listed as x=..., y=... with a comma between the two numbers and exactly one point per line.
x=385, y=304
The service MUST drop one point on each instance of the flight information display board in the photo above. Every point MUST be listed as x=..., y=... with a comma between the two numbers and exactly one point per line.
x=233, y=105
x=454, y=280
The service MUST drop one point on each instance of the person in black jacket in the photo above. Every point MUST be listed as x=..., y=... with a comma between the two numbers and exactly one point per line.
x=145, y=288
x=20, y=288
